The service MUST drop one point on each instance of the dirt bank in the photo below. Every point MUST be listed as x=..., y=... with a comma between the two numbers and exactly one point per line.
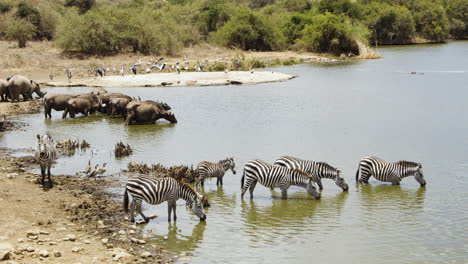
x=76, y=221
x=183, y=79
x=41, y=59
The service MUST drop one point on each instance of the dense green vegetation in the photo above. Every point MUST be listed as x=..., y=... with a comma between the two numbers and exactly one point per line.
x=165, y=26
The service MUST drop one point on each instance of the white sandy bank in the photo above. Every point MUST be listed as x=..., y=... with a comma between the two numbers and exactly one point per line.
x=183, y=79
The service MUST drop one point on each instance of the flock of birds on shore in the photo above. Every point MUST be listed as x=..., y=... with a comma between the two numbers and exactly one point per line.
x=157, y=64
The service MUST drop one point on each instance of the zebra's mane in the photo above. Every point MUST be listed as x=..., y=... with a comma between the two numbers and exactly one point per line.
x=224, y=160
x=326, y=165
x=407, y=163
x=187, y=187
x=300, y=172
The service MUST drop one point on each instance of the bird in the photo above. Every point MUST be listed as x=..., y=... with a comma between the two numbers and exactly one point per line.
x=88, y=168
x=69, y=74
x=200, y=66
x=122, y=71
x=148, y=70
x=139, y=62
x=100, y=71
x=102, y=170
x=134, y=69
x=238, y=64
x=177, y=68
x=94, y=172
x=51, y=76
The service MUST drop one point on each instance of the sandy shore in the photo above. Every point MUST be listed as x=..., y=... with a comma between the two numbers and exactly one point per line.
x=174, y=79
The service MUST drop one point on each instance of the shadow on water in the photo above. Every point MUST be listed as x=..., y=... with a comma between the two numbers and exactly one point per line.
x=176, y=239
x=219, y=197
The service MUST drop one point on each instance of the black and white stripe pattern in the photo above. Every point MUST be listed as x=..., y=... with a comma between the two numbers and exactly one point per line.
x=392, y=172
x=210, y=170
x=158, y=190
x=45, y=154
x=274, y=176
x=316, y=170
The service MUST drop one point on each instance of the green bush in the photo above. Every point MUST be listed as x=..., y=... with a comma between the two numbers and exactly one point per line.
x=248, y=30
x=20, y=30
x=91, y=33
x=457, y=13
x=346, y=7
x=392, y=24
x=293, y=26
x=430, y=19
x=82, y=5
x=329, y=33
x=213, y=15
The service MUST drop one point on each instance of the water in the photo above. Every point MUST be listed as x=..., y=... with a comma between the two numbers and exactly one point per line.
x=337, y=114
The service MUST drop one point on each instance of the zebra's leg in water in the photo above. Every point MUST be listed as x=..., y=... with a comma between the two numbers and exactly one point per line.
x=138, y=207
x=284, y=193
x=48, y=176
x=319, y=183
x=251, y=189
x=132, y=211
x=245, y=188
x=171, y=207
x=220, y=179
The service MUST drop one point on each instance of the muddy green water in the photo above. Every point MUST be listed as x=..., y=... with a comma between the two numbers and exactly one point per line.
x=334, y=113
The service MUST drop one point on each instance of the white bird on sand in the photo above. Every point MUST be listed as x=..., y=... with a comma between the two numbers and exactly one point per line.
x=102, y=170
x=177, y=68
x=148, y=70
x=88, y=168
x=94, y=172
x=69, y=74
x=122, y=71
x=139, y=62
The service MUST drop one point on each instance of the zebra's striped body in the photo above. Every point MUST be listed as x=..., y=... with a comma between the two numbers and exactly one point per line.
x=392, y=172
x=274, y=176
x=158, y=190
x=45, y=154
x=316, y=170
x=210, y=170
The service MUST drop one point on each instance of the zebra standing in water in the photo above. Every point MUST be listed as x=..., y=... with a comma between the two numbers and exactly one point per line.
x=207, y=169
x=392, y=172
x=158, y=190
x=45, y=154
x=317, y=170
x=275, y=176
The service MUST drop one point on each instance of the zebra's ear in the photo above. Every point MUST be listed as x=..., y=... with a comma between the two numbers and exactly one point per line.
x=419, y=166
x=38, y=137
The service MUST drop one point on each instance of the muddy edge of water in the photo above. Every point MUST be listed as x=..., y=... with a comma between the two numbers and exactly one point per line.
x=97, y=213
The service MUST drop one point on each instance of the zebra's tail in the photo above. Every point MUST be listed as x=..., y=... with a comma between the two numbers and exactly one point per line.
x=242, y=180
x=357, y=172
x=125, y=201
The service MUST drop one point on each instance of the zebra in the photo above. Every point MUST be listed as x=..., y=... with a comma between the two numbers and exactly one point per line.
x=317, y=170
x=392, y=172
x=275, y=176
x=207, y=169
x=158, y=190
x=45, y=154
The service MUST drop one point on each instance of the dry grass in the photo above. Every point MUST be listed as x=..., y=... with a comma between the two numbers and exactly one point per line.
x=40, y=59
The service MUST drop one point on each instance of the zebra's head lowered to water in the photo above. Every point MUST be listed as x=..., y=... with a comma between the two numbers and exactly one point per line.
x=229, y=164
x=197, y=207
x=340, y=181
x=312, y=190
x=413, y=169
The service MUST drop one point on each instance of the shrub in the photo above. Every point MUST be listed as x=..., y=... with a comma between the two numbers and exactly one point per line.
x=337, y=7
x=329, y=33
x=457, y=13
x=5, y=6
x=213, y=15
x=293, y=26
x=430, y=19
x=20, y=30
x=393, y=24
x=248, y=30
x=82, y=5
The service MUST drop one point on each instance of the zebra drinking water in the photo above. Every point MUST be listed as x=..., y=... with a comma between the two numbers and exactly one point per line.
x=207, y=169
x=275, y=176
x=317, y=170
x=158, y=190
x=392, y=172
x=45, y=154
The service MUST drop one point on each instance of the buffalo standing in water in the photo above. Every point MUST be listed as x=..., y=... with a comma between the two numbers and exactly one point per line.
x=147, y=112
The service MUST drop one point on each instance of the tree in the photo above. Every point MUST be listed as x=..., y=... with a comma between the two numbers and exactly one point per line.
x=21, y=30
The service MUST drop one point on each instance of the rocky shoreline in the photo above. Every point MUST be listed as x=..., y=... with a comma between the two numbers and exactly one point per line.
x=77, y=221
